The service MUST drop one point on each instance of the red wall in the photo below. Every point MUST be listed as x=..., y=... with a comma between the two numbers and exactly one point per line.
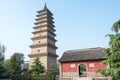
x=66, y=66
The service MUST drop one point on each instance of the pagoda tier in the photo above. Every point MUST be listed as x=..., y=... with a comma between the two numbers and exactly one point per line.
x=42, y=45
x=42, y=26
x=44, y=37
x=46, y=30
x=43, y=54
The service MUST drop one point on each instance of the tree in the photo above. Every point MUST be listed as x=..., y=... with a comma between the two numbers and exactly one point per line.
x=7, y=65
x=14, y=64
x=82, y=67
x=37, y=68
x=2, y=51
x=113, y=53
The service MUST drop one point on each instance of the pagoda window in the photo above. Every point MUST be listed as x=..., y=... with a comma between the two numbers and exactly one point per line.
x=39, y=42
x=38, y=50
x=39, y=34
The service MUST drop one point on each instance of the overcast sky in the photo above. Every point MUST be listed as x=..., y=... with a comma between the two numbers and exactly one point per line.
x=79, y=23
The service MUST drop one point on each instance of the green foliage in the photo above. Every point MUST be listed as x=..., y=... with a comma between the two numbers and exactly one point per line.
x=116, y=26
x=14, y=64
x=7, y=65
x=35, y=73
x=48, y=76
x=37, y=68
x=103, y=72
x=2, y=68
x=2, y=51
x=82, y=67
x=113, y=53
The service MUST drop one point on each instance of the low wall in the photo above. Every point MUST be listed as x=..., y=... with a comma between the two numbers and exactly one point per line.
x=85, y=78
x=94, y=74
x=70, y=74
x=76, y=74
x=102, y=78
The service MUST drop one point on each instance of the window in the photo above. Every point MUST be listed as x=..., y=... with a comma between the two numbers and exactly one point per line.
x=38, y=50
x=72, y=65
x=91, y=65
x=39, y=34
x=39, y=42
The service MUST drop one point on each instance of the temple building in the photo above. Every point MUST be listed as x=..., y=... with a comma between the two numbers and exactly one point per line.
x=82, y=62
x=43, y=40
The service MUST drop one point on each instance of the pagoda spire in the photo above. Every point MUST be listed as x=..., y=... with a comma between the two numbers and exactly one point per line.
x=45, y=6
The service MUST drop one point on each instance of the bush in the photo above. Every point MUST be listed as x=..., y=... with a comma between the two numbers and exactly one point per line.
x=48, y=76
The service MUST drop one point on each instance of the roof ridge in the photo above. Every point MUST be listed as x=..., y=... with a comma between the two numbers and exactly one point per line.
x=86, y=49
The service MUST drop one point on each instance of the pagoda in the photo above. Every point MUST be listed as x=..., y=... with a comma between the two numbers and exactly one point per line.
x=43, y=40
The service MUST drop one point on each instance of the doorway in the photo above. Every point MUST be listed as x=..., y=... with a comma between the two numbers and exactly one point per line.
x=82, y=70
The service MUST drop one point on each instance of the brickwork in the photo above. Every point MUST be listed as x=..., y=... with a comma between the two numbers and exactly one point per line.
x=68, y=68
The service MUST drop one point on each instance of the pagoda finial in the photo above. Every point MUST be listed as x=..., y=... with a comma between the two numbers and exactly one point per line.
x=45, y=7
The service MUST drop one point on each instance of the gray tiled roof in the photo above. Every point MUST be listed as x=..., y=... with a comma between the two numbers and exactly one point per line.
x=83, y=54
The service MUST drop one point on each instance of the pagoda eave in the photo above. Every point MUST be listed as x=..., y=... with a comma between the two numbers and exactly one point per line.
x=43, y=54
x=40, y=16
x=45, y=21
x=43, y=37
x=40, y=31
x=42, y=26
x=46, y=30
x=44, y=10
x=42, y=45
